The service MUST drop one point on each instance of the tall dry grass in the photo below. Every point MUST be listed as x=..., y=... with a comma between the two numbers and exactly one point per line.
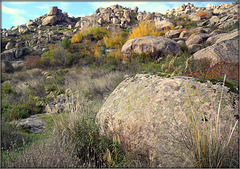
x=212, y=142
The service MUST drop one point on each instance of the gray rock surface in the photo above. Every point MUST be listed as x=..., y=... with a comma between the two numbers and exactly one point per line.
x=53, y=11
x=214, y=20
x=149, y=114
x=172, y=34
x=225, y=49
x=11, y=54
x=32, y=124
x=211, y=40
x=194, y=48
x=9, y=46
x=5, y=64
x=155, y=45
x=23, y=29
x=49, y=20
x=197, y=38
x=162, y=24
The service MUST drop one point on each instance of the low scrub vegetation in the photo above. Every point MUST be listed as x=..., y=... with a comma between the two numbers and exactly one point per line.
x=85, y=69
x=144, y=29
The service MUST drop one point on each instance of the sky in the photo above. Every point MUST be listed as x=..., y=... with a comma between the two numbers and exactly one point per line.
x=16, y=13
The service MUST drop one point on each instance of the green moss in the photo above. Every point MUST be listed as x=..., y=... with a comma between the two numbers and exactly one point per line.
x=232, y=85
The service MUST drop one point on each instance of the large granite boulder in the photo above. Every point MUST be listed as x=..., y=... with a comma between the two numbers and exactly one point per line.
x=195, y=18
x=214, y=20
x=9, y=45
x=53, y=11
x=155, y=45
x=5, y=65
x=11, y=54
x=56, y=16
x=151, y=115
x=50, y=20
x=225, y=49
x=172, y=34
x=23, y=29
x=194, y=48
x=211, y=40
x=197, y=38
x=163, y=24
x=229, y=23
x=31, y=24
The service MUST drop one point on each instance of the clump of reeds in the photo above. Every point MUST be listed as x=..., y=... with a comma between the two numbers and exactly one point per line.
x=211, y=145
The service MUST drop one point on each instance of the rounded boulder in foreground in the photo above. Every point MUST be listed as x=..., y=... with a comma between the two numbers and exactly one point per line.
x=150, y=115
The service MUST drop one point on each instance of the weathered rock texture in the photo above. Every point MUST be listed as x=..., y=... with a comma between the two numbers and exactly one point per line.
x=32, y=124
x=11, y=54
x=225, y=49
x=155, y=45
x=197, y=38
x=149, y=114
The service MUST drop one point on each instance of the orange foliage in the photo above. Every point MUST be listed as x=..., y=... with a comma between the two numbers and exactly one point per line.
x=32, y=62
x=168, y=29
x=194, y=31
x=230, y=68
x=52, y=46
x=75, y=39
x=203, y=14
x=117, y=55
x=182, y=29
x=95, y=51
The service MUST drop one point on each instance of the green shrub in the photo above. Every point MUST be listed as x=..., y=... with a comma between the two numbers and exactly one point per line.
x=91, y=33
x=7, y=89
x=100, y=150
x=66, y=43
x=57, y=57
x=26, y=51
x=14, y=112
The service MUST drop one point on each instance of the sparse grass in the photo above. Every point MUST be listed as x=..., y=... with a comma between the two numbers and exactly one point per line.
x=211, y=136
x=72, y=139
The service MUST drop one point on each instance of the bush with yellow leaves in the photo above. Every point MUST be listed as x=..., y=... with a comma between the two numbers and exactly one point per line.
x=144, y=29
x=116, y=40
x=90, y=33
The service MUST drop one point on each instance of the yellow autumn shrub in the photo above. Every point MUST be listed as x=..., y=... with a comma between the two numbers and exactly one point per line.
x=94, y=32
x=116, y=40
x=115, y=54
x=144, y=29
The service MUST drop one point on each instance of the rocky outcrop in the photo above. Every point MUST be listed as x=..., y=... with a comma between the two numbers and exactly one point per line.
x=194, y=48
x=214, y=20
x=197, y=38
x=55, y=16
x=225, y=49
x=195, y=18
x=54, y=11
x=156, y=46
x=5, y=65
x=150, y=115
x=172, y=34
x=31, y=24
x=186, y=8
x=9, y=46
x=229, y=23
x=23, y=29
x=49, y=20
x=211, y=40
x=163, y=24
x=32, y=124
x=11, y=54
